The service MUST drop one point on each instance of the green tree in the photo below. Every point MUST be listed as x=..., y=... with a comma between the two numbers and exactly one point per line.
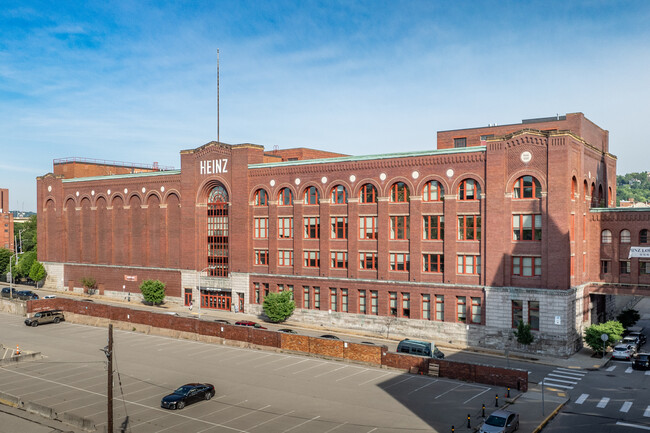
x=89, y=284
x=523, y=334
x=5, y=255
x=613, y=329
x=153, y=291
x=628, y=317
x=37, y=272
x=27, y=233
x=25, y=263
x=279, y=306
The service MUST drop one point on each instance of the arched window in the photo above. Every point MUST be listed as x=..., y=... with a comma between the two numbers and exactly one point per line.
x=261, y=198
x=312, y=195
x=368, y=194
x=643, y=236
x=285, y=197
x=601, y=199
x=593, y=194
x=469, y=189
x=606, y=237
x=339, y=195
x=217, y=233
x=399, y=193
x=527, y=187
x=574, y=187
x=625, y=236
x=585, y=188
x=432, y=191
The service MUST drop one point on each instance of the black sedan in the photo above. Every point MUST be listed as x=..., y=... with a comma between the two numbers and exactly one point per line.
x=641, y=361
x=187, y=394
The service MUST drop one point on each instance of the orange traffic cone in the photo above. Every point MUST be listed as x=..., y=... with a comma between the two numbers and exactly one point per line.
x=17, y=350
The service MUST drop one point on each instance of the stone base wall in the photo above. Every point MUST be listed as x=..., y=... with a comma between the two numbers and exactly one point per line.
x=54, y=278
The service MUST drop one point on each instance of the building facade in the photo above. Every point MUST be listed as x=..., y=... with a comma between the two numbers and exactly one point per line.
x=456, y=244
x=6, y=221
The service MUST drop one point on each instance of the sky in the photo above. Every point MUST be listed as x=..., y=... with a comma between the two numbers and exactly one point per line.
x=135, y=81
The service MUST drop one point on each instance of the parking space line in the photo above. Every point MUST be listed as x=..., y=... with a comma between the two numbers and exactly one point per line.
x=626, y=407
x=250, y=412
x=353, y=374
x=272, y=419
x=448, y=391
x=603, y=402
x=289, y=365
x=582, y=398
x=397, y=383
x=423, y=386
x=335, y=427
x=302, y=423
x=375, y=378
x=309, y=368
x=332, y=371
x=482, y=392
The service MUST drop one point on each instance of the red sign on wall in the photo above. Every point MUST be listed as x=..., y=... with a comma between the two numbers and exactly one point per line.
x=130, y=278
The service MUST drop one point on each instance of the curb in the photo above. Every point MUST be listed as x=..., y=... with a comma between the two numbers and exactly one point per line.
x=550, y=417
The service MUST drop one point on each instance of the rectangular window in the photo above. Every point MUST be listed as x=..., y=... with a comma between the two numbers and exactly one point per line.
x=644, y=268
x=572, y=228
x=312, y=227
x=305, y=296
x=285, y=258
x=368, y=227
x=339, y=227
x=433, y=228
x=460, y=142
x=469, y=227
x=406, y=305
x=393, y=303
x=527, y=266
x=317, y=298
x=461, y=309
x=256, y=286
x=312, y=259
x=517, y=312
x=261, y=257
x=344, y=300
x=374, y=302
x=338, y=259
x=368, y=261
x=426, y=307
x=266, y=289
x=476, y=310
x=399, y=227
x=470, y=265
x=285, y=227
x=533, y=315
x=261, y=228
x=604, y=266
x=526, y=227
x=362, y=302
x=333, y=299
x=624, y=267
x=434, y=263
x=440, y=308
x=400, y=262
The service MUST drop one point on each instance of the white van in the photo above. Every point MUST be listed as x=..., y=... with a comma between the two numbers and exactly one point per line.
x=420, y=348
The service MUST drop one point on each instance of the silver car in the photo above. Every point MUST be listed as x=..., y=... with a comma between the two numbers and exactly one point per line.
x=623, y=351
x=501, y=421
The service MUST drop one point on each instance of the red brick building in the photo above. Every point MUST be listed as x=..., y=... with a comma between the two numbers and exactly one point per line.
x=456, y=244
x=6, y=221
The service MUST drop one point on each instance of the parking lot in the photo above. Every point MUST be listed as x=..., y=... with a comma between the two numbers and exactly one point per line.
x=256, y=391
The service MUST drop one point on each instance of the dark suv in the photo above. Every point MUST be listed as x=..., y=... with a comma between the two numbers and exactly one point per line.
x=52, y=316
x=6, y=291
x=26, y=295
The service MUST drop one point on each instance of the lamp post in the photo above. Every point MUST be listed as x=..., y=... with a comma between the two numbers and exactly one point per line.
x=200, y=274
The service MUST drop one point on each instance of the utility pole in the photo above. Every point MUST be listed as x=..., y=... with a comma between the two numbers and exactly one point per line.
x=108, y=351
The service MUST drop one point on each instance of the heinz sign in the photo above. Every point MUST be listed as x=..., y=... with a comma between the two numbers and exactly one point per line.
x=214, y=166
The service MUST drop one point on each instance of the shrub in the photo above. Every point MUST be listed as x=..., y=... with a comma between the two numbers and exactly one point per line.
x=279, y=306
x=523, y=334
x=153, y=291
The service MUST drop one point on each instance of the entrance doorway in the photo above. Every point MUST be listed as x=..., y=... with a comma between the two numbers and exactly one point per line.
x=188, y=297
x=216, y=300
x=241, y=302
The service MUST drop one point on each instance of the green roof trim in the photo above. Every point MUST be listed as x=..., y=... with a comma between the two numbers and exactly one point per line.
x=619, y=209
x=434, y=152
x=123, y=176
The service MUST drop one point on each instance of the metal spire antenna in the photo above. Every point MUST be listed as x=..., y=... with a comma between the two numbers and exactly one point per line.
x=218, y=95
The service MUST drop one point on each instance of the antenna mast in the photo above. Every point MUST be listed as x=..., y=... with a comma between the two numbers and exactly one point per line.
x=218, y=95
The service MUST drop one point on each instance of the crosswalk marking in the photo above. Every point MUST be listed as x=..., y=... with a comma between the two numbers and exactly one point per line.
x=603, y=402
x=626, y=406
x=566, y=370
x=612, y=368
x=647, y=373
x=566, y=376
x=647, y=411
x=556, y=385
x=559, y=380
x=582, y=399
x=563, y=378
x=629, y=370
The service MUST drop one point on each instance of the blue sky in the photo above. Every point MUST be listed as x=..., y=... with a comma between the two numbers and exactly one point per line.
x=135, y=81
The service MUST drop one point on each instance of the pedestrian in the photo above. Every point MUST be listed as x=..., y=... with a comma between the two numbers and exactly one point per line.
x=191, y=305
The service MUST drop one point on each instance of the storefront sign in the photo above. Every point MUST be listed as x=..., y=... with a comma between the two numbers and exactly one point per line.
x=130, y=278
x=214, y=166
x=643, y=252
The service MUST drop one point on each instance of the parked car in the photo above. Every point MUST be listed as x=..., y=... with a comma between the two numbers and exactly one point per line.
x=331, y=337
x=26, y=295
x=640, y=335
x=633, y=341
x=623, y=351
x=501, y=421
x=641, y=361
x=249, y=323
x=222, y=321
x=49, y=297
x=287, y=331
x=7, y=290
x=420, y=348
x=187, y=394
x=42, y=317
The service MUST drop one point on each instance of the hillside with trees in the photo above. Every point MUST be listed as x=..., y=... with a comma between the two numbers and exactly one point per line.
x=633, y=186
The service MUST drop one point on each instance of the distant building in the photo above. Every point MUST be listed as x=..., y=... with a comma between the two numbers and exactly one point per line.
x=6, y=221
x=632, y=203
x=456, y=244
